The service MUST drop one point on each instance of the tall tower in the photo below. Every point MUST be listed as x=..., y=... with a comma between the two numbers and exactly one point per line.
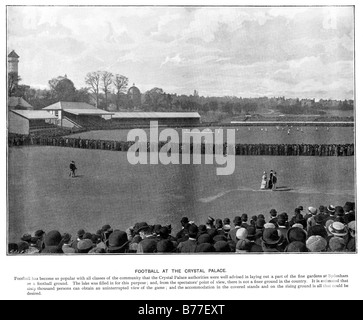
x=13, y=61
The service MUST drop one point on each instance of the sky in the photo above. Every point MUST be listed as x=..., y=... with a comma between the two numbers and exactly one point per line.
x=296, y=52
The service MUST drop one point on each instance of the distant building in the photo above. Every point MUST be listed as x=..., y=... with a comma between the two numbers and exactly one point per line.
x=13, y=62
x=18, y=103
x=134, y=95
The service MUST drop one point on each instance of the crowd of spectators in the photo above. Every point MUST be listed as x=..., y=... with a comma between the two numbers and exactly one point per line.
x=326, y=229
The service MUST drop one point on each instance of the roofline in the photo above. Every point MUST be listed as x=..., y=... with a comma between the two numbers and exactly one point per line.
x=15, y=111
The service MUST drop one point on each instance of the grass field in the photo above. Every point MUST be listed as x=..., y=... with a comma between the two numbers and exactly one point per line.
x=108, y=189
x=250, y=135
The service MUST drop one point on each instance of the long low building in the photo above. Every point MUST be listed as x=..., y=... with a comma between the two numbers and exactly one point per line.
x=164, y=118
x=25, y=121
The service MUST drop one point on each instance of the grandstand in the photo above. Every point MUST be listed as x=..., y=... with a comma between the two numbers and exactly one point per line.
x=25, y=122
x=79, y=115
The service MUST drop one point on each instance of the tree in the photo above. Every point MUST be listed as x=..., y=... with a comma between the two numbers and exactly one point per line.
x=62, y=89
x=93, y=79
x=13, y=80
x=120, y=82
x=106, y=82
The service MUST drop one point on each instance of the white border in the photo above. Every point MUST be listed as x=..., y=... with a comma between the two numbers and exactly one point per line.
x=241, y=264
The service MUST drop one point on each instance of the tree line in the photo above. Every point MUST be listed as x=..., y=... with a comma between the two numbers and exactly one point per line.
x=108, y=91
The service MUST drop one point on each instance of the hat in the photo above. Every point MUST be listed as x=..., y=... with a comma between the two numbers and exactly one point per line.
x=260, y=223
x=39, y=233
x=254, y=218
x=313, y=210
x=316, y=244
x=273, y=212
x=319, y=218
x=237, y=220
x=184, y=220
x=193, y=231
x=85, y=245
x=87, y=235
x=269, y=225
x=296, y=234
x=297, y=225
x=226, y=221
x=202, y=228
x=251, y=233
x=271, y=236
x=164, y=246
x=205, y=247
x=243, y=245
x=226, y=227
x=331, y=209
x=66, y=237
x=222, y=246
x=80, y=233
x=339, y=211
x=241, y=233
x=301, y=208
x=106, y=228
x=281, y=220
x=244, y=217
x=95, y=238
x=219, y=223
x=337, y=244
x=26, y=237
x=117, y=241
x=261, y=216
x=328, y=223
x=338, y=229
x=52, y=238
x=164, y=232
x=141, y=226
x=296, y=246
x=351, y=225
x=204, y=238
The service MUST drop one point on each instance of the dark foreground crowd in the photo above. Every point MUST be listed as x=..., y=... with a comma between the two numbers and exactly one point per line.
x=327, y=229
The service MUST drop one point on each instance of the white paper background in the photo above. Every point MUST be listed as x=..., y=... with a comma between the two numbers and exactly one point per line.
x=235, y=264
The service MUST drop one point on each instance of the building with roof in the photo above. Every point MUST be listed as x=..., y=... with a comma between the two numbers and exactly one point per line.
x=18, y=103
x=26, y=121
x=78, y=114
x=134, y=95
x=13, y=62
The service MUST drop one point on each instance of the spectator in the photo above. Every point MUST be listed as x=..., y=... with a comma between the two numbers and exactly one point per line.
x=244, y=218
x=33, y=246
x=23, y=247
x=183, y=233
x=67, y=244
x=351, y=240
x=273, y=216
x=349, y=214
x=219, y=227
x=237, y=225
x=12, y=248
x=226, y=225
x=337, y=244
x=118, y=242
x=310, y=222
x=40, y=235
x=270, y=240
x=148, y=242
x=316, y=244
x=189, y=245
x=319, y=228
x=84, y=246
x=243, y=246
x=52, y=243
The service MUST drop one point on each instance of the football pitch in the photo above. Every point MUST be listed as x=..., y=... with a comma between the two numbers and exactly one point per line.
x=109, y=190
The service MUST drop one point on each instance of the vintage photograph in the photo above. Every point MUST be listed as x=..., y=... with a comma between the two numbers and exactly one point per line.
x=180, y=130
